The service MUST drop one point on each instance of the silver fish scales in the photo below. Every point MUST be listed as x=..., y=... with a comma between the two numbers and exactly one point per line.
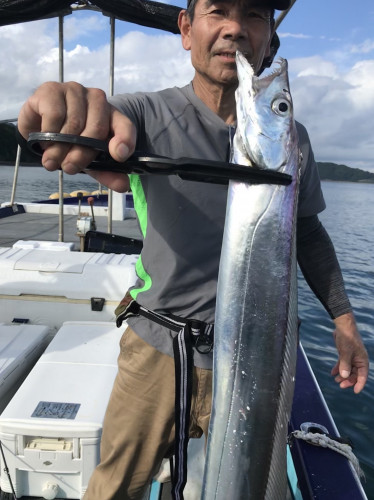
x=256, y=315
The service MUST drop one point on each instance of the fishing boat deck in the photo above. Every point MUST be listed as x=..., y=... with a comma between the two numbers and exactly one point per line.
x=310, y=464
x=45, y=227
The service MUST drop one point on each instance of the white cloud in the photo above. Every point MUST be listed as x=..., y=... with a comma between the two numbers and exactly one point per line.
x=363, y=48
x=293, y=35
x=337, y=108
x=75, y=28
x=313, y=66
x=335, y=101
x=164, y=62
x=21, y=46
x=143, y=62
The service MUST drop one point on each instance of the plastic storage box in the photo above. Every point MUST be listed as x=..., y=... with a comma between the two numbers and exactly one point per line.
x=51, y=429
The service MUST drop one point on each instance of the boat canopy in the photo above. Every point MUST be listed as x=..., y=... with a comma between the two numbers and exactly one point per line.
x=143, y=12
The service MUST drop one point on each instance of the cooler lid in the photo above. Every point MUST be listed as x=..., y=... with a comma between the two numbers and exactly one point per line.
x=16, y=342
x=61, y=262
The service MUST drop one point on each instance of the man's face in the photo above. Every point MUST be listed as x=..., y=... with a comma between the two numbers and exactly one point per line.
x=219, y=28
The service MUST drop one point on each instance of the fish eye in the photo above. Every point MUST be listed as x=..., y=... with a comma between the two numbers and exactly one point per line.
x=280, y=106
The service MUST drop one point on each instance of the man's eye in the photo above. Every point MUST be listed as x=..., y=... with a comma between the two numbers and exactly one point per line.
x=258, y=15
x=218, y=12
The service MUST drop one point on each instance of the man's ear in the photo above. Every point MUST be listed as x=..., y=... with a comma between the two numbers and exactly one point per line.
x=184, y=24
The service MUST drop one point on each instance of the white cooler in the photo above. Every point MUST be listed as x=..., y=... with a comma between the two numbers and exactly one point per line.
x=49, y=287
x=51, y=429
x=20, y=347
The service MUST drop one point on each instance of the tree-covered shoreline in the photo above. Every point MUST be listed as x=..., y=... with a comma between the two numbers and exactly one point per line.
x=335, y=172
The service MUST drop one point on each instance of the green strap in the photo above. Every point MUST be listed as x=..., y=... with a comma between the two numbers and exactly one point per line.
x=141, y=209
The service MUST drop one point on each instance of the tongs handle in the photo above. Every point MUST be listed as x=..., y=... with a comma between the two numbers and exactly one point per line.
x=216, y=172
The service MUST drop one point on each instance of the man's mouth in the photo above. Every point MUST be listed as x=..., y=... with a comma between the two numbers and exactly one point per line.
x=230, y=56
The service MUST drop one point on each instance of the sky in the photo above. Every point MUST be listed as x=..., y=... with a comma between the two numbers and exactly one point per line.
x=329, y=45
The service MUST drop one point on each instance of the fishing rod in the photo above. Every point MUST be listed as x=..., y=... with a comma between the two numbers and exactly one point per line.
x=282, y=15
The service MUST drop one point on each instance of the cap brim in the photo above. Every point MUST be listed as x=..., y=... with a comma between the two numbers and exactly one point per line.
x=281, y=4
x=275, y=4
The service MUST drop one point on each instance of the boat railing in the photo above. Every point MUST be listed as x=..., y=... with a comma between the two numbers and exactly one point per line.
x=75, y=7
x=79, y=6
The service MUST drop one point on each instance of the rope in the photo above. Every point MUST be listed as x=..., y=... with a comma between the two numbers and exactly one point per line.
x=327, y=442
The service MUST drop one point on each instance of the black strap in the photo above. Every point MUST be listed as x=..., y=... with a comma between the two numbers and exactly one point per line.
x=183, y=362
x=190, y=333
x=201, y=333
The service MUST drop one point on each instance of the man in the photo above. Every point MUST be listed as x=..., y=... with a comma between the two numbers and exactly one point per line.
x=182, y=224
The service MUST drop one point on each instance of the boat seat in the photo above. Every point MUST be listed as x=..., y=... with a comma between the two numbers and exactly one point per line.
x=96, y=241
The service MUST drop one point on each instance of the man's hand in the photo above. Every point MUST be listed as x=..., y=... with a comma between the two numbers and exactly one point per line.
x=352, y=368
x=70, y=108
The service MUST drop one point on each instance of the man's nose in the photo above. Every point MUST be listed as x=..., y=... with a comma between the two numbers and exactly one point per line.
x=234, y=27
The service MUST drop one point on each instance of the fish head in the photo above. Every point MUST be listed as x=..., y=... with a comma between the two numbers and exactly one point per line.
x=266, y=132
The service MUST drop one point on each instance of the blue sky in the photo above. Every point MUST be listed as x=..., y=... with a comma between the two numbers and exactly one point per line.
x=329, y=45
x=327, y=26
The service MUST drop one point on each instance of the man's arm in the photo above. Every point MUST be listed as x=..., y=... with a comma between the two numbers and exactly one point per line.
x=70, y=108
x=319, y=265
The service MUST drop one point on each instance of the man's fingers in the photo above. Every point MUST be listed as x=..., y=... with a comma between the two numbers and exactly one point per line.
x=117, y=182
x=335, y=369
x=36, y=115
x=97, y=117
x=357, y=381
x=344, y=370
x=43, y=111
x=356, y=378
x=361, y=381
x=122, y=144
x=69, y=108
x=88, y=115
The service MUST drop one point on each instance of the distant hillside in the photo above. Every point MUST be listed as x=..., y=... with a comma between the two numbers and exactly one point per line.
x=8, y=146
x=334, y=172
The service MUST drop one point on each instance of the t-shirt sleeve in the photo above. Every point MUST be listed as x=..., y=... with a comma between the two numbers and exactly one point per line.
x=131, y=105
x=311, y=201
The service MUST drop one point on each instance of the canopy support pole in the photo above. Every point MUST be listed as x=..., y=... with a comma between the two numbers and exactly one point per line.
x=15, y=178
x=282, y=15
x=61, y=173
x=111, y=90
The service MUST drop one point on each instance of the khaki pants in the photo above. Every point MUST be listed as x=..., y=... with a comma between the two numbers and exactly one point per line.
x=138, y=429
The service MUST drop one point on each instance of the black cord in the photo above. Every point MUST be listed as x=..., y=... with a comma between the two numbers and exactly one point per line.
x=6, y=470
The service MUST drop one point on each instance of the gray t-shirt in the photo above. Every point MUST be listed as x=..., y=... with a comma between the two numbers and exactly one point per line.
x=182, y=221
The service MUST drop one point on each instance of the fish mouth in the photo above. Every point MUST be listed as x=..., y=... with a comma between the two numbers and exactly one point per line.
x=279, y=66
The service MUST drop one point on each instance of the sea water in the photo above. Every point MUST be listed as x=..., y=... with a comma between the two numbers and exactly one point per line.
x=349, y=219
x=35, y=183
